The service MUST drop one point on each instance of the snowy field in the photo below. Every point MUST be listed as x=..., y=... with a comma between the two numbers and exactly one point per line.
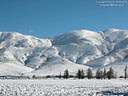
x=70, y=87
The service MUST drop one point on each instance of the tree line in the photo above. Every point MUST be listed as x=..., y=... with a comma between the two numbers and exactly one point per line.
x=99, y=74
x=110, y=74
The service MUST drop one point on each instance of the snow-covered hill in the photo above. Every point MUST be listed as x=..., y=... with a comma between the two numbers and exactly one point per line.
x=28, y=55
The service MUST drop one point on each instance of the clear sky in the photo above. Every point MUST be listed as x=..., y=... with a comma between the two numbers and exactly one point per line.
x=47, y=18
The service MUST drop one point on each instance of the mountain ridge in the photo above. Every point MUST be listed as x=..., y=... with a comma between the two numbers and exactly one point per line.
x=74, y=50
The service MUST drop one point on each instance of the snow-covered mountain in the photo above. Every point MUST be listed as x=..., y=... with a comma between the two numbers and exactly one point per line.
x=28, y=55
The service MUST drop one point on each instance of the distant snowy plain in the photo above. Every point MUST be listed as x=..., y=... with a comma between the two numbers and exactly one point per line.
x=61, y=87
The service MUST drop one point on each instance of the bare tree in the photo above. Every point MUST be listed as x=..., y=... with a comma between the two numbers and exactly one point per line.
x=79, y=74
x=110, y=73
x=89, y=74
x=66, y=74
x=104, y=74
x=125, y=71
x=99, y=74
x=82, y=74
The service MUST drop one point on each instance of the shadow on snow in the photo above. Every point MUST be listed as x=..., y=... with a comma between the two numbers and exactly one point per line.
x=113, y=93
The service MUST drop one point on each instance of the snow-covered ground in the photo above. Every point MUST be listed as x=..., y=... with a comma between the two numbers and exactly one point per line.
x=70, y=87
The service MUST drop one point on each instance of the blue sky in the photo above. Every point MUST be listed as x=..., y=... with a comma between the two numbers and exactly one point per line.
x=47, y=18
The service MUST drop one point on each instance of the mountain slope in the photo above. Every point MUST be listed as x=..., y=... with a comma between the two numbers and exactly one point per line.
x=28, y=55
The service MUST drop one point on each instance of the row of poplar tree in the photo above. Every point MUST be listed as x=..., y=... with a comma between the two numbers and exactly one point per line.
x=110, y=74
